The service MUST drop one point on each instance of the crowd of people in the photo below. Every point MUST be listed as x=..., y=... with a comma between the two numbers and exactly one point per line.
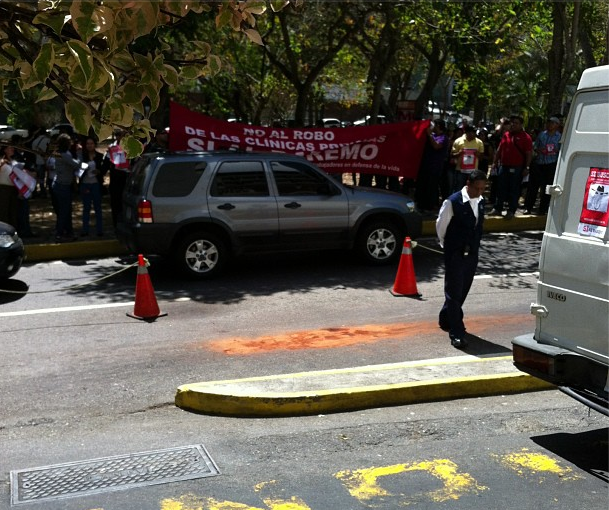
x=65, y=167
x=518, y=164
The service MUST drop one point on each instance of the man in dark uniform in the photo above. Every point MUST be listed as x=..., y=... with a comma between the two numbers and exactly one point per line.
x=459, y=229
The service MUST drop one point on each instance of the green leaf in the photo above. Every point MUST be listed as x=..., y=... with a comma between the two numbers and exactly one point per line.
x=177, y=7
x=132, y=146
x=78, y=80
x=224, y=18
x=79, y=115
x=2, y=98
x=277, y=5
x=170, y=76
x=203, y=46
x=26, y=76
x=214, y=63
x=254, y=6
x=103, y=131
x=145, y=18
x=83, y=56
x=132, y=94
x=44, y=62
x=98, y=79
x=90, y=19
x=152, y=92
x=82, y=18
x=5, y=63
x=122, y=60
x=46, y=94
x=55, y=20
x=190, y=72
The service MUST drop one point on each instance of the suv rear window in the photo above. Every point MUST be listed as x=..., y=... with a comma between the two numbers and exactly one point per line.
x=177, y=178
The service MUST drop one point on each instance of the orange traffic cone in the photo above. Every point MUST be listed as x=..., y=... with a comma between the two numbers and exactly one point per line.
x=405, y=281
x=146, y=308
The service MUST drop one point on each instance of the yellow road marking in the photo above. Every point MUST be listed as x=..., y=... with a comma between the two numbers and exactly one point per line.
x=363, y=484
x=191, y=502
x=527, y=462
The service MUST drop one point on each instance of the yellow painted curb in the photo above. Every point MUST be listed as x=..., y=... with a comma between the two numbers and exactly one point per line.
x=74, y=250
x=202, y=398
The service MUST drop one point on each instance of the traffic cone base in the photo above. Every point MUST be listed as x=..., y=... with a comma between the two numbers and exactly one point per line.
x=146, y=307
x=405, y=282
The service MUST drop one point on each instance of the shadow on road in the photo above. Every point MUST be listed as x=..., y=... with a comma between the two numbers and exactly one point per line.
x=482, y=348
x=502, y=254
x=12, y=290
x=587, y=450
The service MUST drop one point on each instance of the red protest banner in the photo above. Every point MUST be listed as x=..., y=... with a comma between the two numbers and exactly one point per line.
x=385, y=149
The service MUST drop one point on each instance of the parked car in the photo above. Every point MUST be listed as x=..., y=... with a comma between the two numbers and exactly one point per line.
x=331, y=123
x=380, y=119
x=200, y=208
x=7, y=133
x=57, y=129
x=12, y=251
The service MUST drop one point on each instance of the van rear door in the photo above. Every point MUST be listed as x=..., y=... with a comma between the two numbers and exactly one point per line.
x=573, y=292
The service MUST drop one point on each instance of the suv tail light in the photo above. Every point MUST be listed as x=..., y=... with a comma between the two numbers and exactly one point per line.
x=144, y=211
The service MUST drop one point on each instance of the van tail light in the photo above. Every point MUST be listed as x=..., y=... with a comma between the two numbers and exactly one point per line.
x=536, y=361
x=144, y=211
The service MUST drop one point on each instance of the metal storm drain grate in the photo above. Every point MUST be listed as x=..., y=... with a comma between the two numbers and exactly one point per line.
x=111, y=473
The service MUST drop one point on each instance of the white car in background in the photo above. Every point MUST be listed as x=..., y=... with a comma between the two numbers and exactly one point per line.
x=7, y=133
x=380, y=119
x=331, y=123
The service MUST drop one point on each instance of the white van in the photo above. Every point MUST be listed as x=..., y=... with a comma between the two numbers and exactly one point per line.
x=570, y=347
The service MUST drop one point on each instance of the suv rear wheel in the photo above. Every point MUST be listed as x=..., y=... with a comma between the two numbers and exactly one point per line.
x=378, y=243
x=201, y=255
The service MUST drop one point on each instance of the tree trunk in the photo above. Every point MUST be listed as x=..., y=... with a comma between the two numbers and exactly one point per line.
x=436, y=60
x=561, y=56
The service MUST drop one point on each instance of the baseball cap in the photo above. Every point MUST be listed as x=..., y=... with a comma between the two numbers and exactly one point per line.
x=554, y=119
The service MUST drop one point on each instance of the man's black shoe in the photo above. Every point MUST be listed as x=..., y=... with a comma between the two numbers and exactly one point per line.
x=458, y=342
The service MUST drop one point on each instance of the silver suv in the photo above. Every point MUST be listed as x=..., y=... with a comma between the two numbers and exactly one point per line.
x=202, y=207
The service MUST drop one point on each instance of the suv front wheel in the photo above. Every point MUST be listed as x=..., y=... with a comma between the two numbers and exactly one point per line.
x=379, y=243
x=201, y=255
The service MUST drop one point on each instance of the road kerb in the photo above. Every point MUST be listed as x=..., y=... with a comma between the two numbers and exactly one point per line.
x=206, y=399
x=73, y=250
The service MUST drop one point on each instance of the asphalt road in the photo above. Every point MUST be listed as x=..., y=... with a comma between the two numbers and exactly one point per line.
x=80, y=380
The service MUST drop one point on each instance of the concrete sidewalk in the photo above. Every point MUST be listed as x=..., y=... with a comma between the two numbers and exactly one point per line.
x=349, y=389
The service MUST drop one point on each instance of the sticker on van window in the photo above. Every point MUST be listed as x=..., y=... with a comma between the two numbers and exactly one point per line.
x=595, y=209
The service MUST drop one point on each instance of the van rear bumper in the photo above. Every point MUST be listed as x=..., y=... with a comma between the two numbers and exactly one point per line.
x=580, y=377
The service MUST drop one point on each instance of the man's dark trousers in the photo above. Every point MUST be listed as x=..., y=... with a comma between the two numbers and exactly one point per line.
x=460, y=271
x=509, y=183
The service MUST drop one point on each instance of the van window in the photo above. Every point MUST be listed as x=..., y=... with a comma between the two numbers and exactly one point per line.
x=594, y=113
x=177, y=179
x=240, y=179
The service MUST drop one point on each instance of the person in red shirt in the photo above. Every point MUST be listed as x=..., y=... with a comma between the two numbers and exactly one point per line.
x=512, y=160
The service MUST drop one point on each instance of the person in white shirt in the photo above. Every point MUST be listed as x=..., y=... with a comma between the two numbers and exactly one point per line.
x=459, y=229
x=9, y=196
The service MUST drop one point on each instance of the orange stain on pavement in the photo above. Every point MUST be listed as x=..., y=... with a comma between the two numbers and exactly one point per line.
x=331, y=338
